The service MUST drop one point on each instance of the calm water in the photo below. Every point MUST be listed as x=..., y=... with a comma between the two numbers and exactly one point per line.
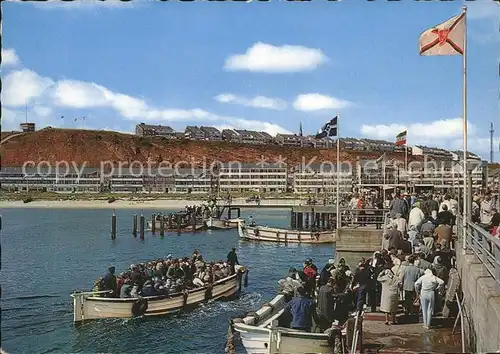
x=48, y=253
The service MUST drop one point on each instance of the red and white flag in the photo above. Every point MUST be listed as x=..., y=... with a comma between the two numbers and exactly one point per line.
x=447, y=38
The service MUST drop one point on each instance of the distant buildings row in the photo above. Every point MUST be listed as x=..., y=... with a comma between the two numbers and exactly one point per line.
x=290, y=140
x=258, y=178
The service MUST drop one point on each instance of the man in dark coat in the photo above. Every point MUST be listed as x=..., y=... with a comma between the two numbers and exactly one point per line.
x=110, y=282
x=232, y=259
x=326, y=305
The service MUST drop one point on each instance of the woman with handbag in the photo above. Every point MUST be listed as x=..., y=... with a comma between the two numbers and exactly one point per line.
x=426, y=286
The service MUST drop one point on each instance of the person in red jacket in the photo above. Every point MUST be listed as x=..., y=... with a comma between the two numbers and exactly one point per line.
x=310, y=271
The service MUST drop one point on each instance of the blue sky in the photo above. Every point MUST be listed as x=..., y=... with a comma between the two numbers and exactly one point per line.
x=263, y=66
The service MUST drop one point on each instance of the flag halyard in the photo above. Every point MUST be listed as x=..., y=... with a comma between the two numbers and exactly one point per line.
x=447, y=38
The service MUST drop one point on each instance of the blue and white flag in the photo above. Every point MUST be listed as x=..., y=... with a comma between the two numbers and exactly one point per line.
x=329, y=129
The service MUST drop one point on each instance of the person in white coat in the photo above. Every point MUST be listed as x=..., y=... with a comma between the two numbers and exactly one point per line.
x=389, y=301
x=426, y=286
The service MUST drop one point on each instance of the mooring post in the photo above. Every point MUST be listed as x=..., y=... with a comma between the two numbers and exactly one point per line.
x=153, y=223
x=193, y=221
x=134, y=226
x=178, y=222
x=170, y=221
x=162, y=226
x=113, y=225
x=141, y=226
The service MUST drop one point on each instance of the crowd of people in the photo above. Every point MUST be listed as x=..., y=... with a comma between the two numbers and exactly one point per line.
x=408, y=275
x=197, y=212
x=164, y=276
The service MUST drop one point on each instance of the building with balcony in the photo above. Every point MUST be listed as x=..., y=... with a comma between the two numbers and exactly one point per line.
x=27, y=127
x=322, y=179
x=290, y=140
x=147, y=130
x=211, y=133
x=259, y=178
x=194, y=133
x=17, y=179
x=194, y=180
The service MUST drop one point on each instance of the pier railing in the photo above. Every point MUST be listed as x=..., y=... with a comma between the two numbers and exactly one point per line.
x=483, y=245
x=363, y=217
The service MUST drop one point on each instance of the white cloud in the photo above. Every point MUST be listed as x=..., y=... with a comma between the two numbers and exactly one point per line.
x=309, y=102
x=257, y=125
x=22, y=86
x=79, y=94
x=435, y=130
x=9, y=57
x=444, y=133
x=8, y=119
x=262, y=57
x=44, y=96
x=42, y=111
x=256, y=102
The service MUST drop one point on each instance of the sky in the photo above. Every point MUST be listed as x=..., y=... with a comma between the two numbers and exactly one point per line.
x=257, y=66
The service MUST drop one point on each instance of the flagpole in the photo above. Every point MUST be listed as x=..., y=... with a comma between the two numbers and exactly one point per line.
x=464, y=64
x=338, y=174
x=406, y=161
x=383, y=174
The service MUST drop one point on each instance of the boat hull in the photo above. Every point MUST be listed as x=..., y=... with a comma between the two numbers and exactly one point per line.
x=88, y=307
x=259, y=338
x=188, y=228
x=268, y=234
x=218, y=224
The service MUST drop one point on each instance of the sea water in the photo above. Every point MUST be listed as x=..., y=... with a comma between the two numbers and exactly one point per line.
x=48, y=253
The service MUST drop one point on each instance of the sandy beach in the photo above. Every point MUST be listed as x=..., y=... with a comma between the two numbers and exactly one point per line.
x=134, y=204
x=99, y=204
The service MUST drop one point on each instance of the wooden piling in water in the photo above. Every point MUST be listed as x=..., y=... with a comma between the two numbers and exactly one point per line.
x=141, y=227
x=113, y=225
x=134, y=225
x=153, y=223
x=193, y=221
x=178, y=222
x=162, y=226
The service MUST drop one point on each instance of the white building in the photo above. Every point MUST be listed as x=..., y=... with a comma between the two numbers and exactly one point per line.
x=262, y=178
x=322, y=179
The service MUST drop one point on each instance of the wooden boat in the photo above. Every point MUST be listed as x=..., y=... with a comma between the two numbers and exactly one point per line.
x=88, y=306
x=221, y=224
x=266, y=332
x=184, y=228
x=264, y=233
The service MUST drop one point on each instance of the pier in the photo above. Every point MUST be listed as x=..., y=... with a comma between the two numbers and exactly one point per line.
x=478, y=264
x=360, y=230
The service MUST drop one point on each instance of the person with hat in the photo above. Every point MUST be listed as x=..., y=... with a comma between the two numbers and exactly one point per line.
x=310, y=272
x=326, y=272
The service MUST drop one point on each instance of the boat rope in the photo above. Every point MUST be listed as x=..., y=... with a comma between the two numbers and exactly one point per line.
x=230, y=347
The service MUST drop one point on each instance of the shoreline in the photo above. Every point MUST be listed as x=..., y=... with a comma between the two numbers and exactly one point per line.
x=138, y=204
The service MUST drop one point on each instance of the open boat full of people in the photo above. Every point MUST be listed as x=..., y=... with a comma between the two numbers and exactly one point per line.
x=274, y=329
x=160, y=287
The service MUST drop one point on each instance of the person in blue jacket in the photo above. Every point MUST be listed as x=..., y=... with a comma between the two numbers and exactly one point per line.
x=301, y=309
